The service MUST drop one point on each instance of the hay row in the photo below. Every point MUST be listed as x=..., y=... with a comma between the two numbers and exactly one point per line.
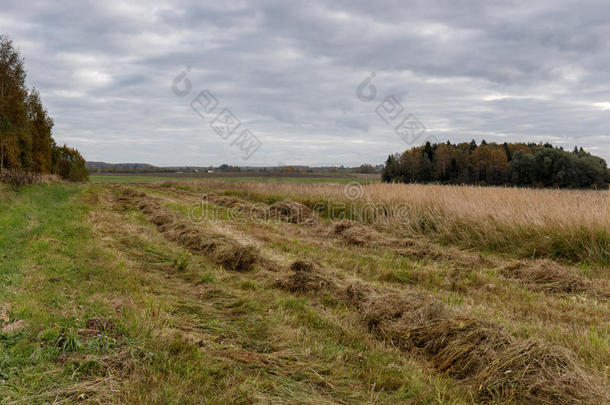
x=221, y=249
x=546, y=275
x=305, y=279
x=483, y=355
x=355, y=233
x=539, y=275
x=256, y=210
x=287, y=211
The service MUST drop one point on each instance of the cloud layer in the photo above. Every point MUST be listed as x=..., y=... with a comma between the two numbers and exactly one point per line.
x=289, y=71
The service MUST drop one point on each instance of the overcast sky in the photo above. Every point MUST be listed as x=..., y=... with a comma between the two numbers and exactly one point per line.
x=290, y=72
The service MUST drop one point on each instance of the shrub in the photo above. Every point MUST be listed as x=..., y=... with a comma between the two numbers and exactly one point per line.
x=18, y=178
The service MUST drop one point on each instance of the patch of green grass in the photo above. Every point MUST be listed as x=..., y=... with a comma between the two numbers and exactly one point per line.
x=133, y=179
x=47, y=276
x=141, y=179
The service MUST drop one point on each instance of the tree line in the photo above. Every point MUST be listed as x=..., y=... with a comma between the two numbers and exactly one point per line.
x=518, y=164
x=26, y=142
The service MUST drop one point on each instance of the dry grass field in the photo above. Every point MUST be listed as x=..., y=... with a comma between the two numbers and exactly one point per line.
x=246, y=292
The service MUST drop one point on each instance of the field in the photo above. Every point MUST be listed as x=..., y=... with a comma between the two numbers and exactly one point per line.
x=300, y=291
x=238, y=176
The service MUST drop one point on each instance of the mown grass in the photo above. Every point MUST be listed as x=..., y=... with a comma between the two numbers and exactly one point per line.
x=579, y=325
x=304, y=349
x=570, y=321
x=567, y=321
x=178, y=329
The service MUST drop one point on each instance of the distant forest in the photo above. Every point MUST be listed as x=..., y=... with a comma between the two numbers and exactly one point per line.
x=519, y=164
x=26, y=142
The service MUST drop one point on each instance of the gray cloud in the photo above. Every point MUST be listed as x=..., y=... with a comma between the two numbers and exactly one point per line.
x=503, y=71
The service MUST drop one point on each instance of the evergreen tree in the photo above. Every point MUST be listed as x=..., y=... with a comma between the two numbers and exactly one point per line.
x=509, y=156
x=473, y=145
